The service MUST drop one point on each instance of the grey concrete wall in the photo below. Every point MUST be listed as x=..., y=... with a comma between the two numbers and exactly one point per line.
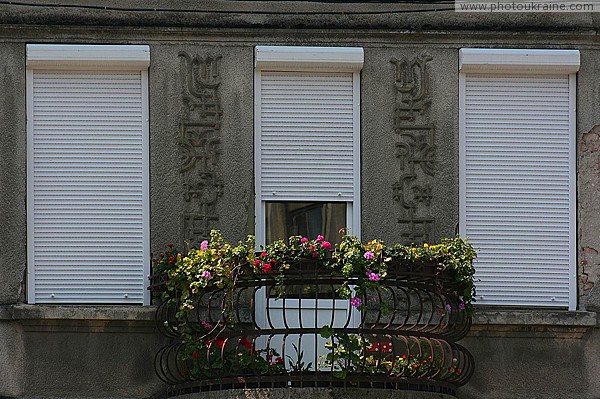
x=61, y=352
x=534, y=363
x=13, y=172
x=588, y=177
x=89, y=359
x=235, y=165
x=12, y=359
x=382, y=168
x=288, y=15
x=235, y=208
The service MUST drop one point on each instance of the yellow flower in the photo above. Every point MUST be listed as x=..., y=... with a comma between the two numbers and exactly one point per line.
x=374, y=245
x=426, y=245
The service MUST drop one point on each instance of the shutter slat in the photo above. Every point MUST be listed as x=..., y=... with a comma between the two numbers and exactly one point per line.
x=517, y=187
x=88, y=187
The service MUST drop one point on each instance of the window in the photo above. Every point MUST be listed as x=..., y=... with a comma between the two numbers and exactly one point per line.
x=517, y=183
x=307, y=162
x=87, y=194
x=307, y=125
x=307, y=219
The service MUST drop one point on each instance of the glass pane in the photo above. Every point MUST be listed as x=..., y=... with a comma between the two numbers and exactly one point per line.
x=308, y=219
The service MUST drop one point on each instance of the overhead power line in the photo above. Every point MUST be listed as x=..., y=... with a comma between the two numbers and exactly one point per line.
x=249, y=12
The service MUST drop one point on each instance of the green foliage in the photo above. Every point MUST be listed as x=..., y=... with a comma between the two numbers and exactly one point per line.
x=352, y=353
x=345, y=354
x=218, y=265
x=297, y=364
x=221, y=358
x=451, y=254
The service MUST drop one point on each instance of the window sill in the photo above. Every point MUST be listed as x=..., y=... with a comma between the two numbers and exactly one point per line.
x=533, y=323
x=77, y=312
x=535, y=317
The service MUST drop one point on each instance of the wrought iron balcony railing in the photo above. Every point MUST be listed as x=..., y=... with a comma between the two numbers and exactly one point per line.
x=298, y=332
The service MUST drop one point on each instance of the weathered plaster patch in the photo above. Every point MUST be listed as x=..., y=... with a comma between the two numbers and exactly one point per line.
x=590, y=263
x=588, y=179
x=588, y=274
x=586, y=285
x=590, y=141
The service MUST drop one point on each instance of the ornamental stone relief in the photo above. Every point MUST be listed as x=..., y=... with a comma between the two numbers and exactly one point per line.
x=200, y=146
x=415, y=150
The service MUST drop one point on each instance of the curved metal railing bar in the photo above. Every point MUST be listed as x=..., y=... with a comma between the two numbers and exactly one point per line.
x=404, y=339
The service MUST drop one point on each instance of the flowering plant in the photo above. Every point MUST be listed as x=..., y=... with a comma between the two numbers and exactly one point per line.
x=217, y=262
x=219, y=357
x=166, y=260
x=219, y=265
x=353, y=353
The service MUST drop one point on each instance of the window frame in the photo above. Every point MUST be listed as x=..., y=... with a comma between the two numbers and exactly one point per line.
x=307, y=59
x=88, y=58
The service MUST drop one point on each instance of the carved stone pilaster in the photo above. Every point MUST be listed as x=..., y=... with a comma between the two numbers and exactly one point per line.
x=200, y=146
x=415, y=150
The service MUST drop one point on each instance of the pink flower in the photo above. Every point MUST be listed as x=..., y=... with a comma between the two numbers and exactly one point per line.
x=207, y=325
x=204, y=245
x=373, y=276
x=449, y=307
x=206, y=274
x=356, y=301
x=461, y=305
x=278, y=360
x=315, y=254
x=304, y=240
x=369, y=255
x=326, y=245
x=319, y=238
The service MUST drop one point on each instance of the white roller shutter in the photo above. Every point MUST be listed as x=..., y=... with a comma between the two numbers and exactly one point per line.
x=307, y=128
x=88, y=186
x=307, y=136
x=517, y=186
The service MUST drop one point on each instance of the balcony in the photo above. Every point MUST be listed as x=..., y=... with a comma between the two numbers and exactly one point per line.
x=279, y=319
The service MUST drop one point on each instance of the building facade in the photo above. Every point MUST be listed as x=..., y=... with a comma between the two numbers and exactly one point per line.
x=128, y=127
